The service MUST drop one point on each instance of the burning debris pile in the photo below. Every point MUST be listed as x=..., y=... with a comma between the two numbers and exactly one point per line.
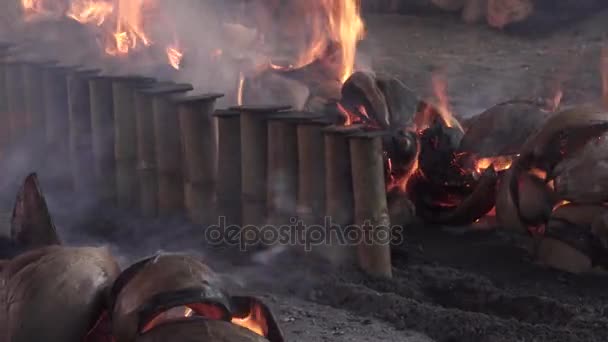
x=64, y=293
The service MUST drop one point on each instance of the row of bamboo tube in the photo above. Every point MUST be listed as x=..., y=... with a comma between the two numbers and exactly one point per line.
x=158, y=150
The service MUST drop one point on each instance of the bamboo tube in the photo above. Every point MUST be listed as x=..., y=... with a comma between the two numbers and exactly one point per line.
x=254, y=159
x=228, y=189
x=339, y=201
x=55, y=89
x=168, y=147
x=282, y=187
x=102, y=132
x=199, y=144
x=5, y=137
x=371, y=208
x=146, y=151
x=17, y=111
x=125, y=138
x=81, y=144
x=34, y=99
x=311, y=171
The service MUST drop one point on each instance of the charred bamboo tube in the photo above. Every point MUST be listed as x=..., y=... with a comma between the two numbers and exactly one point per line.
x=281, y=191
x=254, y=158
x=5, y=138
x=81, y=144
x=55, y=88
x=198, y=139
x=34, y=100
x=311, y=171
x=228, y=188
x=339, y=201
x=125, y=139
x=16, y=102
x=371, y=208
x=168, y=150
x=146, y=150
x=102, y=133
x=282, y=187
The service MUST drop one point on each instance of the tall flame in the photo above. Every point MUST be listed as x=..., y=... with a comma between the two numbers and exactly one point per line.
x=90, y=11
x=129, y=27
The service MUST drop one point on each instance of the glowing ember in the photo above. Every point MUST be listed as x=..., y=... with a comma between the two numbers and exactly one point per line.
x=175, y=57
x=500, y=163
x=255, y=321
x=90, y=11
x=561, y=204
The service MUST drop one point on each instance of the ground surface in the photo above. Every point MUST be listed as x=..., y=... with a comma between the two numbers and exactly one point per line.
x=449, y=286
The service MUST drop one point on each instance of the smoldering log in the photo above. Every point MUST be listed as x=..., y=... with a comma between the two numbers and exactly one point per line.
x=199, y=142
x=55, y=88
x=371, y=207
x=16, y=101
x=125, y=138
x=102, y=131
x=168, y=147
x=228, y=188
x=254, y=159
x=311, y=171
x=339, y=201
x=81, y=144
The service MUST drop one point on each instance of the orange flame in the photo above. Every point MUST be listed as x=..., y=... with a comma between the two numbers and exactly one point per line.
x=440, y=90
x=129, y=27
x=90, y=11
x=241, y=85
x=175, y=57
x=255, y=321
x=331, y=22
x=500, y=163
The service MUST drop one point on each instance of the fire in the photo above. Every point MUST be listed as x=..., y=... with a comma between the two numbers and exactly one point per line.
x=440, y=90
x=500, y=163
x=331, y=22
x=33, y=8
x=254, y=321
x=90, y=11
x=129, y=27
x=239, y=93
x=175, y=57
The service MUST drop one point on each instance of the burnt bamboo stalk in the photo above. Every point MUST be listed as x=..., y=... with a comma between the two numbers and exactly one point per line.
x=34, y=100
x=311, y=171
x=371, y=208
x=125, y=139
x=283, y=165
x=339, y=200
x=228, y=188
x=55, y=89
x=146, y=150
x=199, y=145
x=102, y=133
x=168, y=147
x=17, y=111
x=254, y=161
x=81, y=144
x=4, y=113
